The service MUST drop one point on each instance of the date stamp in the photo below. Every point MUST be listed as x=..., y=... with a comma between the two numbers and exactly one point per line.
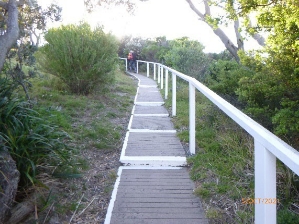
x=266, y=201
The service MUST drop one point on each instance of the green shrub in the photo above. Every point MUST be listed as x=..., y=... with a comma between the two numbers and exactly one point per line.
x=82, y=58
x=187, y=56
x=223, y=77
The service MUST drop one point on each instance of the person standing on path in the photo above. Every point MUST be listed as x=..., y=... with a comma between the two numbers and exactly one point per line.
x=134, y=62
x=129, y=58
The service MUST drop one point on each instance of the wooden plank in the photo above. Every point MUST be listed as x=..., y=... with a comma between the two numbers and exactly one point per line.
x=141, y=171
x=155, y=187
x=149, y=98
x=156, y=176
x=152, y=123
x=158, y=200
x=162, y=211
x=180, y=216
x=158, y=221
x=152, y=191
x=150, y=110
x=176, y=204
x=160, y=183
x=154, y=144
x=156, y=195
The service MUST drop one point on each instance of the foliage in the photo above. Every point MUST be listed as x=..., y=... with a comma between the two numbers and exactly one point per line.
x=223, y=77
x=30, y=139
x=272, y=94
x=187, y=56
x=82, y=58
x=20, y=62
x=156, y=49
x=136, y=44
x=33, y=20
x=273, y=91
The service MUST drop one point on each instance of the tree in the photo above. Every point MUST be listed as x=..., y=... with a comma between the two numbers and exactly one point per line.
x=230, y=8
x=231, y=12
x=31, y=23
x=10, y=34
x=277, y=72
x=11, y=23
x=156, y=50
x=187, y=56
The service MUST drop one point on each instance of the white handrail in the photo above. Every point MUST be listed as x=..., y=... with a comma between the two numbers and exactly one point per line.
x=267, y=146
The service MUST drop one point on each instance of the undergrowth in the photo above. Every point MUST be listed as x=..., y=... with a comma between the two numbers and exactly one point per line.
x=223, y=166
x=82, y=123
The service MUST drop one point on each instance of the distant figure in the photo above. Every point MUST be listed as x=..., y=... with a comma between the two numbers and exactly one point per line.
x=132, y=61
x=130, y=56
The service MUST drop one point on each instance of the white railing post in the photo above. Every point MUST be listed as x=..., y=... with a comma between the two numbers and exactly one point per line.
x=265, y=185
x=159, y=72
x=137, y=67
x=147, y=69
x=191, y=118
x=173, y=94
x=126, y=64
x=162, y=78
x=166, y=84
x=154, y=71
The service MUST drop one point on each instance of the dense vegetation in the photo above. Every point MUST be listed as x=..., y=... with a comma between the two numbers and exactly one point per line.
x=43, y=115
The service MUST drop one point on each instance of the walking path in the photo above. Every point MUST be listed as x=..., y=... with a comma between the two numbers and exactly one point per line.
x=153, y=186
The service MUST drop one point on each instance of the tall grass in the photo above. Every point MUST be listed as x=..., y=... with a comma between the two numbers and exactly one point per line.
x=30, y=139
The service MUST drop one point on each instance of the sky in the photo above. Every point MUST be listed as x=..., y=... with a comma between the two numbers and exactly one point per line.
x=153, y=18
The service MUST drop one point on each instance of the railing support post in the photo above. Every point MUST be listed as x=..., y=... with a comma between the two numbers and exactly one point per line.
x=137, y=67
x=154, y=71
x=159, y=72
x=147, y=69
x=166, y=84
x=126, y=64
x=191, y=118
x=162, y=78
x=265, y=185
x=173, y=94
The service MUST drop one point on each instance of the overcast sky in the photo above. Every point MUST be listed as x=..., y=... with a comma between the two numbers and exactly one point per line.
x=153, y=18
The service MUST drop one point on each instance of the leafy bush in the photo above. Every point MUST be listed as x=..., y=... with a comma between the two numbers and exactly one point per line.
x=82, y=58
x=187, y=56
x=30, y=139
x=223, y=76
x=271, y=94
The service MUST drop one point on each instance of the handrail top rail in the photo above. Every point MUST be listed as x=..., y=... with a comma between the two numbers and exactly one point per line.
x=284, y=152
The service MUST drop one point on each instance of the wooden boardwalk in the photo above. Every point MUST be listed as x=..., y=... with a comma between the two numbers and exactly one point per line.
x=153, y=186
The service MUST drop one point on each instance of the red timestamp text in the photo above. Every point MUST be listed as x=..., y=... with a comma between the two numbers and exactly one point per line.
x=269, y=201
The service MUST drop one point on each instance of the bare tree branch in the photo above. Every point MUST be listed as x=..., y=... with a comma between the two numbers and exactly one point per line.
x=195, y=9
x=239, y=38
x=219, y=32
x=259, y=38
x=207, y=7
